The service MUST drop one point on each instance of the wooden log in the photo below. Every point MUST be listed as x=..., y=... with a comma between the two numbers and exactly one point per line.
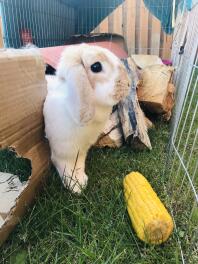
x=169, y=102
x=132, y=118
x=143, y=61
x=127, y=123
x=155, y=90
x=112, y=134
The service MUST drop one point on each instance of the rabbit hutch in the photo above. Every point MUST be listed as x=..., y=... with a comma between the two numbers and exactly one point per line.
x=149, y=32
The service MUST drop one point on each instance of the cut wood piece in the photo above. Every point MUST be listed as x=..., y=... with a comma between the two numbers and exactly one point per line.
x=127, y=123
x=142, y=60
x=155, y=91
x=169, y=102
x=149, y=124
x=112, y=134
x=131, y=116
x=113, y=140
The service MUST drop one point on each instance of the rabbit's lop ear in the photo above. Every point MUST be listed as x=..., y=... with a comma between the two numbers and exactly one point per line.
x=71, y=70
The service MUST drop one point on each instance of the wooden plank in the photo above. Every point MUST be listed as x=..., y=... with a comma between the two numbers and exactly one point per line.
x=124, y=19
x=110, y=22
x=149, y=33
x=117, y=21
x=141, y=30
x=97, y=29
x=104, y=28
x=1, y=34
x=155, y=36
x=166, y=54
x=143, y=45
x=130, y=39
x=137, y=26
x=161, y=43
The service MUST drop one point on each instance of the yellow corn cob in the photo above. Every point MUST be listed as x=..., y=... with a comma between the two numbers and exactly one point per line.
x=149, y=217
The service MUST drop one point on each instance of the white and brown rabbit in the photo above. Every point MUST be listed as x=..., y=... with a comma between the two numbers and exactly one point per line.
x=88, y=82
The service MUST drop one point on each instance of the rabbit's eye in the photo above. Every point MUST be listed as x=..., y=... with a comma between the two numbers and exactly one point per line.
x=96, y=67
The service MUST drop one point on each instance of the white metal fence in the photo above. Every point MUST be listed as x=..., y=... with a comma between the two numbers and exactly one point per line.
x=182, y=167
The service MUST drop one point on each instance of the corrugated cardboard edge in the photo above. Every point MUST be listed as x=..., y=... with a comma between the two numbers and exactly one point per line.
x=22, y=92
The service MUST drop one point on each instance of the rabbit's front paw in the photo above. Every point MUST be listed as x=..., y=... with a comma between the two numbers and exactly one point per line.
x=76, y=184
x=80, y=184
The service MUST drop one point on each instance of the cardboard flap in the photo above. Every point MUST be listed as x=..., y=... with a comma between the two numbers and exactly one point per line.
x=52, y=55
x=22, y=93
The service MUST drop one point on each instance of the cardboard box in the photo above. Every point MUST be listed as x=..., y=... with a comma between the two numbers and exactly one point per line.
x=22, y=93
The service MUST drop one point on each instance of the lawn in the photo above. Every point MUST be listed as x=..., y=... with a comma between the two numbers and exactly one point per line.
x=94, y=227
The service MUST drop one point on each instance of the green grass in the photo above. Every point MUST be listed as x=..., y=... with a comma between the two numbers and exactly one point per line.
x=94, y=227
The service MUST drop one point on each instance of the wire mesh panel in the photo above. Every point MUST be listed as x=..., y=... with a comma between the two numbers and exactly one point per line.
x=50, y=23
x=184, y=49
x=91, y=13
x=41, y=22
x=130, y=18
x=183, y=155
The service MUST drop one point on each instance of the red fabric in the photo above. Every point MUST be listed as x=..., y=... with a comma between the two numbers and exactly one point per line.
x=52, y=55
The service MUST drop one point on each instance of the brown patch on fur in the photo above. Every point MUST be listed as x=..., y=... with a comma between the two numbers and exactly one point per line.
x=101, y=57
x=122, y=85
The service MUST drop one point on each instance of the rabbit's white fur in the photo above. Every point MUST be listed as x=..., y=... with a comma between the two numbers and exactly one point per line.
x=77, y=106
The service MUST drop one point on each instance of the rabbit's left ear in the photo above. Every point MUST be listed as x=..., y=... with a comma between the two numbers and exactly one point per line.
x=71, y=70
x=78, y=80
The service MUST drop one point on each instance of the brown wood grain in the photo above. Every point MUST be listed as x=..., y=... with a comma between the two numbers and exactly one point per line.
x=141, y=30
x=155, y=36
x=104, y=26
x=143, y=46
x=1, y=34
x=130, y=39
x=166, y=52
